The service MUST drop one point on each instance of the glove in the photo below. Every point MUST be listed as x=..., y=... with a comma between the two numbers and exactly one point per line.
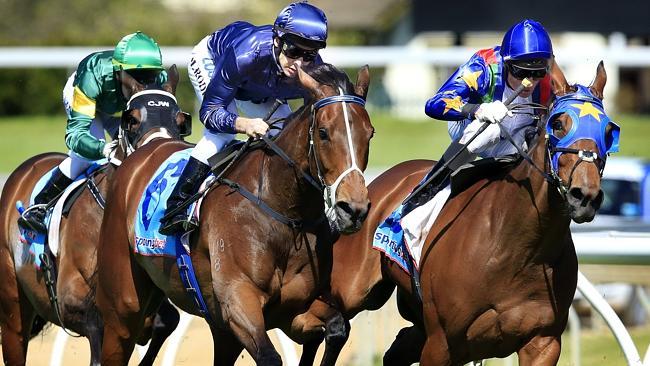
x=493, y=112
x=489, y=137
x=255, y=127
x=109, y=148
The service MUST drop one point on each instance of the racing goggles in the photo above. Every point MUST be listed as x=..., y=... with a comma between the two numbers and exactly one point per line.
x=535, y=70
x=294, y=52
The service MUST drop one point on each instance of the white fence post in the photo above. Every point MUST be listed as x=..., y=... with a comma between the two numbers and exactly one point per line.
x=602, y=307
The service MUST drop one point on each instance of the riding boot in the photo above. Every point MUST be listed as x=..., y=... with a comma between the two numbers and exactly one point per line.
x=422, y=195
x=34, y=217
x=189, y=182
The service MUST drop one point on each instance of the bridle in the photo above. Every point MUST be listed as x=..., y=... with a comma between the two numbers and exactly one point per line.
x=583, y=128
x=328, y=191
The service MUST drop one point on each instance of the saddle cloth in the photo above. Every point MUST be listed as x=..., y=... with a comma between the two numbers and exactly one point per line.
x=38, y=241
x=402, y=238
x=153, y=203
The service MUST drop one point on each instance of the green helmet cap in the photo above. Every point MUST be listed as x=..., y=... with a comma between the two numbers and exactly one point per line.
x=137, y=51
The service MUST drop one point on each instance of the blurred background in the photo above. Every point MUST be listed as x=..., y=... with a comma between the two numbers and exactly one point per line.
x=412, y=46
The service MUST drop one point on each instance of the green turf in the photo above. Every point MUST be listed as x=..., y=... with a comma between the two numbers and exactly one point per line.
x=395, y=140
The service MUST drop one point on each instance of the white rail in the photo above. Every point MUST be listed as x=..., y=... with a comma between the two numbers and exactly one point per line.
x=343, y=56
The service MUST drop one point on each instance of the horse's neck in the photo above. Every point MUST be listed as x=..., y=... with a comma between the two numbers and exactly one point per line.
x=280, y=185
x=546, y=218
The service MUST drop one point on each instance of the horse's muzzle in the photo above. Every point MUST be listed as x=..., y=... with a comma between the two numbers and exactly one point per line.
x=584, y=203
x=351, y=215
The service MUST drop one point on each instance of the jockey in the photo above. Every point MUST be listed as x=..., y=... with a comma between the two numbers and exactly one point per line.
x=245, y=67
x=474, y=94
x=93, y=99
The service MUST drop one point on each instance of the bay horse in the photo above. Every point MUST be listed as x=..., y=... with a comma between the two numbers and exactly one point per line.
x=256, y=271
x=499, y=269
x=23, y=290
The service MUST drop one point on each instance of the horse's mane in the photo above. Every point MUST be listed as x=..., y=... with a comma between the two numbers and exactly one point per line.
x=328, y=74
x=325, y=74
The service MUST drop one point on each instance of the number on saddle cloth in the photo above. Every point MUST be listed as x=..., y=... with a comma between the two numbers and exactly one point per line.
x=151, y=208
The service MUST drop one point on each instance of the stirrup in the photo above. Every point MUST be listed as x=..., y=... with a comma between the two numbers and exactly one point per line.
x=30, y=219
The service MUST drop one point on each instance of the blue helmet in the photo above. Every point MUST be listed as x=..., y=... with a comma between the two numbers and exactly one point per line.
x=526, y=40
x=302, y=22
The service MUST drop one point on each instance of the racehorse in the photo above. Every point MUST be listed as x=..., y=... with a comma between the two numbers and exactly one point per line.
x=258, y=262
x=499, y=269
x=24, y=293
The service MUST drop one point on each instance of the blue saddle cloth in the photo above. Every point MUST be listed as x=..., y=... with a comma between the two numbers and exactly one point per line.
x=389, y=239
x=148, y=240
x=35, y=240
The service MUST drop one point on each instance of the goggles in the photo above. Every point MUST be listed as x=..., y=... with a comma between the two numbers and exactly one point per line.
x=521, y=73
x=294, y=52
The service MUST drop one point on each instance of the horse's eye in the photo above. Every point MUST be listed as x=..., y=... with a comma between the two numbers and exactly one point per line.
x=322, y=133
x=557, y=125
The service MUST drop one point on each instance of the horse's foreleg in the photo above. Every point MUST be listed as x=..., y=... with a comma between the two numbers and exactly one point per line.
x=540, y=351
x=436, y=349
x=164, y=323
x=226, y=347
x=245, y=317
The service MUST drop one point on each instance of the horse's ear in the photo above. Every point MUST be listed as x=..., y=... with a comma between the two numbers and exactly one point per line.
x=130, y=86
x=172, y=80
x=363, y=82
x=309, y=83
x=598, y=84
x=558, y=81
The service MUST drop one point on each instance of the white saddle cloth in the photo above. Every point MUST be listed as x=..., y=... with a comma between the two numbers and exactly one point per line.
x=417, y=223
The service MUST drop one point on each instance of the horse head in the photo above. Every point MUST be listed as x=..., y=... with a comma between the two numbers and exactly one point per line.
x=151, y=113
x=339, y=133
x=579, y=131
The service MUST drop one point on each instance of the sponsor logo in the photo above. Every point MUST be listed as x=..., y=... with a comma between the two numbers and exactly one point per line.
x=150, y=243
x=157, y=103
x=391, y=245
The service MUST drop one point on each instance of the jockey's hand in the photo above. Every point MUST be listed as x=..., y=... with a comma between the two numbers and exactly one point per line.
x=488, y=138
x=108, y=148
x=493, y=112
x=253, y=127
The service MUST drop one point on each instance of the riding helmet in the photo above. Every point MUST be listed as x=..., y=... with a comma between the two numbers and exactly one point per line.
x=137, y=51
x=304, y=23
x=526, y=40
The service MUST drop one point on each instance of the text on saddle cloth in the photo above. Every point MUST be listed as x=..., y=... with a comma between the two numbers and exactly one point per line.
x=38, y=241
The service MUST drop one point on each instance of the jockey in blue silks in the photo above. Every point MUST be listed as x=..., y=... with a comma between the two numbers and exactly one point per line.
x=474, y=94
x=247, y=67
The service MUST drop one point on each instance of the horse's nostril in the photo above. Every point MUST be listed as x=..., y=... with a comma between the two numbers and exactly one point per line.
x=576, y=193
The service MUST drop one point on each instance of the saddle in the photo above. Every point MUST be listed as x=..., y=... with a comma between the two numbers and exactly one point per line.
x=230, y=152
x=485, y=168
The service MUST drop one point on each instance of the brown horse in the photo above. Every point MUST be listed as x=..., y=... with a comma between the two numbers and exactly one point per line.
x=499, y=270
x=255, y=272
x=23, y=288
